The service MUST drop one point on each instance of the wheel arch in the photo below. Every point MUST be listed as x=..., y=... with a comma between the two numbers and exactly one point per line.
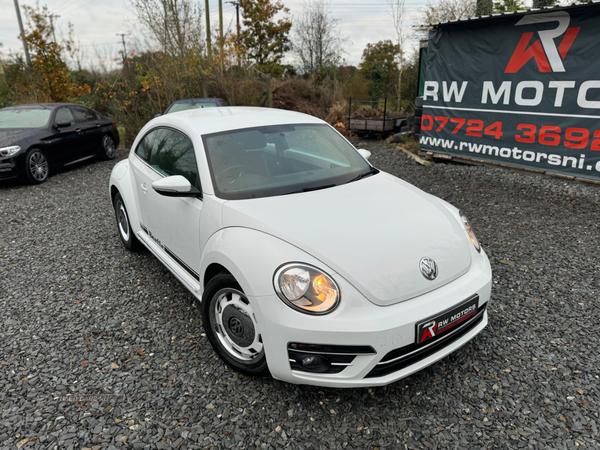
x=121, y=183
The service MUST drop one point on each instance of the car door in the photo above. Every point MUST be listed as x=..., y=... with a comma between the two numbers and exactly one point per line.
x=171, y=222
x=61, y=146
x=90, y=131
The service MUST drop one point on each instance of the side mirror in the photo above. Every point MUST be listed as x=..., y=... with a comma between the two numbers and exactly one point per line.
x=157, y=115
x=59, y=125
x=364, y=153
x=175, y=186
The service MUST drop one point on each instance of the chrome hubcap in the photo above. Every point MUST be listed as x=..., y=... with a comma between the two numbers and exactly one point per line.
x=38, y=166
x=123, y=222
x=109, y=146
x=234, y=323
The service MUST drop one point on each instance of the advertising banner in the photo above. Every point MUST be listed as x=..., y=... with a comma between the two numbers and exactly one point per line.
x=522, y=90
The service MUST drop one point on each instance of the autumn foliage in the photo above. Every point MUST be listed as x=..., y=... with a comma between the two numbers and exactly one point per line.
x=48, y=79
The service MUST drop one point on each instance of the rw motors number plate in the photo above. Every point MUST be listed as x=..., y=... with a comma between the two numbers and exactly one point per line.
x=446, y=322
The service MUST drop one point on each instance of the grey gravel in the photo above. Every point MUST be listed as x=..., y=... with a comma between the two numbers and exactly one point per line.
x=101, y=348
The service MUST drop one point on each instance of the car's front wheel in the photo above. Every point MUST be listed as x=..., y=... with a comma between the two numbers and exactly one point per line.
x=128, y=238
x=109, y=149
x=231, y=327
x=36, y=166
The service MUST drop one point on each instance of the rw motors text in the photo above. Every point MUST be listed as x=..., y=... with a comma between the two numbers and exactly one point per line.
x=524, y=93
x=513, y=153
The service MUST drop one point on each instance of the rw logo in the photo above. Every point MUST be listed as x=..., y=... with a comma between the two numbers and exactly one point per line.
x=548, y=57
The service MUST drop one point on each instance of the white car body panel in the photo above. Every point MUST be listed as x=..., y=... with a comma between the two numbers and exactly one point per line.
x=368, y=247
x=403, y=223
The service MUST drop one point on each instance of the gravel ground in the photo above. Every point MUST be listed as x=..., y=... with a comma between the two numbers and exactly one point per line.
x=102, y=348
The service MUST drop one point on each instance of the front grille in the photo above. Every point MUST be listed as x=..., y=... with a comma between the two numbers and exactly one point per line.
x=403, y=357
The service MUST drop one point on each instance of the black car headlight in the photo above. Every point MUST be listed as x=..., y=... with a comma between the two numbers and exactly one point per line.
x=7, y=152
x=306, y=288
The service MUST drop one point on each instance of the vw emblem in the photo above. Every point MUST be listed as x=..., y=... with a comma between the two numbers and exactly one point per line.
x=236, y=326
x=428, y=268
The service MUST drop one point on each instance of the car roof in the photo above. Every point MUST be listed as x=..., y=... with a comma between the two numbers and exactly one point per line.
x=198, y=100
x=225, y=118
x=40, y=106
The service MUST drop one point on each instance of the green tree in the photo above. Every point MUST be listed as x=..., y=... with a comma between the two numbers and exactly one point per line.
x=379, y=65
x=504, y=6
x=265, y=39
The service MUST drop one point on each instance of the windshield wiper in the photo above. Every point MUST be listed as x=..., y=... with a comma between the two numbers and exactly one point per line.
x=315, y=188
x=372, y=171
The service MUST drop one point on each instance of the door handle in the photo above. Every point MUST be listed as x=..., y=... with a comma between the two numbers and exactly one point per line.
x=77, y=130
x=144, y=188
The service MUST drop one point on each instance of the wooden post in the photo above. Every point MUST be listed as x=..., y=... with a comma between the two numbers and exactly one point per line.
x=208, y=44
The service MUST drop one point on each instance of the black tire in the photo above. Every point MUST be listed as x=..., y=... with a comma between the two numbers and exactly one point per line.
x=128, y=238
x=419, y=102
x=108, y=148
x=417, y=137
x=37, y=168
x=417, y=128
x=231, y=327
x=417, y=121
x=419, y=111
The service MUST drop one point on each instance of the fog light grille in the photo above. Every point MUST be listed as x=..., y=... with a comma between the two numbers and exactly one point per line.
x=321, y=358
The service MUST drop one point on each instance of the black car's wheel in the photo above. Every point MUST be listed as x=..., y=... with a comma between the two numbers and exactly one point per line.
x=231, y=327
x=109, y=149
x=36, y=166
x=128, y=238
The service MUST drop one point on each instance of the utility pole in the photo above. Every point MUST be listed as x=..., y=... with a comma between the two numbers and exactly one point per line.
x=124, y=46
x=208, y=44
x=27, y=58
x=221, y=19
x=52, y=17
x=237, y=25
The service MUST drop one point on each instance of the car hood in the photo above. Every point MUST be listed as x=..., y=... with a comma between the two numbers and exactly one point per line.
x=14, y=136
x=373, y=232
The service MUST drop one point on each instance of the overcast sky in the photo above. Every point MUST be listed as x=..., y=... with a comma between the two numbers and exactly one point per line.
x=97, y=22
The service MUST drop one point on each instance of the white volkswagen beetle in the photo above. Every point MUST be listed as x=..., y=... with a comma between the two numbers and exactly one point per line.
x=309, y=263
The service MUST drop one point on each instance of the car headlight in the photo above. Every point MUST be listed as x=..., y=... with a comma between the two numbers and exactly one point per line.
x=470, y=232
x=306, y=288
x=5, y=152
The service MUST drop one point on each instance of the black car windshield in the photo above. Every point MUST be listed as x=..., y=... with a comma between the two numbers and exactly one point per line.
x=192, y=105
x=279, y=160
x=24, y=118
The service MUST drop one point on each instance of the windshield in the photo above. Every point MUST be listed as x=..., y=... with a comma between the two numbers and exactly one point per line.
x=280, y=159
x=24, y=118
x=185, y=106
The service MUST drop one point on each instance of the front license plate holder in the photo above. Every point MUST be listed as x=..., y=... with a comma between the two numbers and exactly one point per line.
x=446, y=322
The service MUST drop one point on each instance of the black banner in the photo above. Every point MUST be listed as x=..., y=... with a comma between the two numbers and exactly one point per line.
x=520, y=89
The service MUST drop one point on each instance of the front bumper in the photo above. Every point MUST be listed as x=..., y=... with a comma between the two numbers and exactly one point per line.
x=8, y=169
x=390, y=331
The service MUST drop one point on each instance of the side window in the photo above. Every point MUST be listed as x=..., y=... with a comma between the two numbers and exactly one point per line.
x=83, y=114
x=173, y=154
x=64, y=115
x=144, y=147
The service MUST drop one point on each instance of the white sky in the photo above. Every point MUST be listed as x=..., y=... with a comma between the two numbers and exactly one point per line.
x=97, y=22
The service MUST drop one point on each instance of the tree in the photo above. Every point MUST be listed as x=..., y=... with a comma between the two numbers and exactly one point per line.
x=379, y=65
x=484, y=8
x=446, y=10
x=508, y=6
x=265, y=39
x=174, y=24
x=50, y=77
x=397, y=11
x=316, y=39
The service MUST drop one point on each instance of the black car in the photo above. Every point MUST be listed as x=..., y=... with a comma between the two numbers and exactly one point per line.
x=37, y=138
x=195, y=103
